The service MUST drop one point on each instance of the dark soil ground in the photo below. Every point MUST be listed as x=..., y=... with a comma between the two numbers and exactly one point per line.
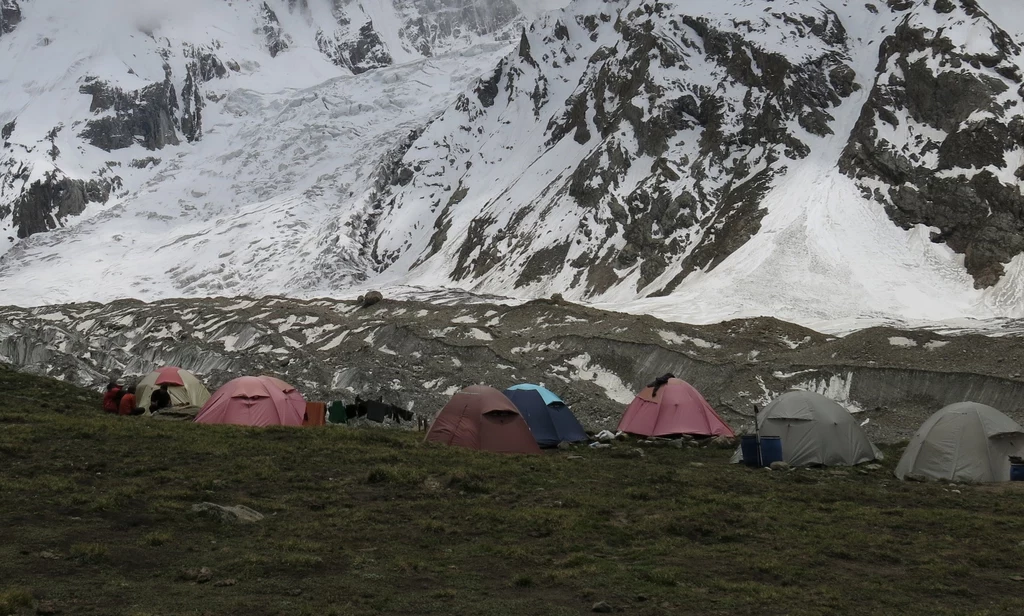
x=97, y=519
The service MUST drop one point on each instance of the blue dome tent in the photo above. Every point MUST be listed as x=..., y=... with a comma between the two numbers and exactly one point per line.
x=550, y=420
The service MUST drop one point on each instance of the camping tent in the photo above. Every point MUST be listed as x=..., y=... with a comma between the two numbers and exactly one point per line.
x=254, y=401
x=967, y=442
x=183, y=386
x=483, y=418
x=550, y=420
x=814, y=430
x=672, y=408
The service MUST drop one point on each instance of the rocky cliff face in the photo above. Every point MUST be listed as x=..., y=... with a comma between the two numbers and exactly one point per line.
x=48, y=203
x=940, y=140
x=10, y=16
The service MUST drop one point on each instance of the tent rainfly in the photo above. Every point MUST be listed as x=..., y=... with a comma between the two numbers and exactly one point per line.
x=669, y=407
x=966, y=442
x=183, y=387
x=550, y=420
x=480, y=417
x=814, y=430
x=254, y=401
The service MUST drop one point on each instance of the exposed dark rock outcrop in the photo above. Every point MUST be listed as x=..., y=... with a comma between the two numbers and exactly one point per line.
x=192, y=103
x=365, y=53
x=147, y=116
x=959, y=97
x=8, y=130
x=276, y=39
x=10, y=16
x=47, y=203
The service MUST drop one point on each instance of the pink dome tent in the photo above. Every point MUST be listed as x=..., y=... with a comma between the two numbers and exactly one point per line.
x=673, y=408
x=254, y=401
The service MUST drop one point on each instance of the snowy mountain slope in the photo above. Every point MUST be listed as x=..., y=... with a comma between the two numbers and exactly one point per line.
x=696, y=159
x=149, y=82
x=188, y=126
x=599, y=172
x=652, y=133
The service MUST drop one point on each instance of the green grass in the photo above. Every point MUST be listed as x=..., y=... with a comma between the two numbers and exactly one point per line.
x=97, y=519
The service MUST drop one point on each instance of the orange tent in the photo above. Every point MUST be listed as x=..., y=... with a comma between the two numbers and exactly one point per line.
x=480, y=417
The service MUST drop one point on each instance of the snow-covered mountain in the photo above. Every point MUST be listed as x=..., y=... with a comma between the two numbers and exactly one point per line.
x=814, y=160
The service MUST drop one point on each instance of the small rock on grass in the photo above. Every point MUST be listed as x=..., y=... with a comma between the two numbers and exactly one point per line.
x=723, y=442
x=872, y=467
x=199, y=576
x=227, y=582
x=602, y=607
x=239, y=513
x=779, y=465
x=1017, y=578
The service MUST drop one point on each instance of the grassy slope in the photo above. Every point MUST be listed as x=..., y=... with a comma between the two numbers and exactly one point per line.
x=97, y=520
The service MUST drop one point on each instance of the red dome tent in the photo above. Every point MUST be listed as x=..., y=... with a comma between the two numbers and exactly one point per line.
x=480, y=417
x=254, y=401
x=672, y=408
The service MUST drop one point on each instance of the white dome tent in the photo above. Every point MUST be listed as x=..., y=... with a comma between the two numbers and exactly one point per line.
x=966, y=442
x=815, y=431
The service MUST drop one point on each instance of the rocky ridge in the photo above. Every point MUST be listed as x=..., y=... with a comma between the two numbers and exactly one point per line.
x=940, y=141
x=10, y=16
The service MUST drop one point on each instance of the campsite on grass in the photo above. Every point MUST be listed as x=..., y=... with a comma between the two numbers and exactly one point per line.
x=133, y=515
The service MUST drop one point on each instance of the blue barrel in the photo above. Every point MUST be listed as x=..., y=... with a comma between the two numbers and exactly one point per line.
x=771, y=450
x=748, y=447
x=1017, y=472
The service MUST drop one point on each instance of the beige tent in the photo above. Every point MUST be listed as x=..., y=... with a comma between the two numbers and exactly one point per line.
x=814, y=430
x=967, y=442
x=183, y=386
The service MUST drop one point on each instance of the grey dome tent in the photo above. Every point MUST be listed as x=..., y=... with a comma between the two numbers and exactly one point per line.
x=967, y=442
x=814, y=431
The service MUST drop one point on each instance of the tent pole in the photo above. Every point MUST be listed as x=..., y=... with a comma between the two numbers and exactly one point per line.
x=757, y=439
